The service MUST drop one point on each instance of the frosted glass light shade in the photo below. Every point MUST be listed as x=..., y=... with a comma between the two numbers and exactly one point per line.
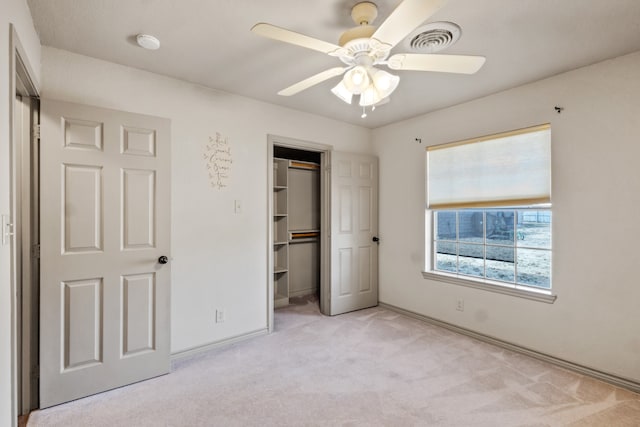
x=373, y=85
x=385, y=82
x=370, y=97
x=357, y=80
x=341, y=91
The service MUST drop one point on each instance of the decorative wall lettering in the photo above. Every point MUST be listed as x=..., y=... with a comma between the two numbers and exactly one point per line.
x=218, y=159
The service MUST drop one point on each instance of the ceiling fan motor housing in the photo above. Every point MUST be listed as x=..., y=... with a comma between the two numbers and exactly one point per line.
x=363, y=14
x=359, y=32
x=361, y=50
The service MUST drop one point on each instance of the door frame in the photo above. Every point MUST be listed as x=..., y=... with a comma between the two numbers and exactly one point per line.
x=325, y=217
x=24, y=210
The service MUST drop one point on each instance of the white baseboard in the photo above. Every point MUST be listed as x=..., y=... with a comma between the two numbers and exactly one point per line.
x=611, y=379
x=302, y=292
x=182, y=354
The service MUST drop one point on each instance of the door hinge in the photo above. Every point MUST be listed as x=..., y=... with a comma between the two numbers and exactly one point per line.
x=35, y=251
x=36, y=131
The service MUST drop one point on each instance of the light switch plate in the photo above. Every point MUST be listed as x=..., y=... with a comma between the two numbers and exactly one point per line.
x=237, y=206
x=7, y=230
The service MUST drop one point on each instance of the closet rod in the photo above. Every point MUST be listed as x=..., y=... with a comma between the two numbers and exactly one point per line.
x=303, y=165
x=302, y=235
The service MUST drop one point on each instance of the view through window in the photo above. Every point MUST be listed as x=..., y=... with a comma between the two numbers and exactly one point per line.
x=505, y=245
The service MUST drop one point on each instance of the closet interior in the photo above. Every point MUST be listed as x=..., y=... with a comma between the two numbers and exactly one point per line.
x=296, y=224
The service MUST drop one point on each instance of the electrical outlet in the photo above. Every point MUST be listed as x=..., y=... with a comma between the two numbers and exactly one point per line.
x=219, y=316
x=460, y=305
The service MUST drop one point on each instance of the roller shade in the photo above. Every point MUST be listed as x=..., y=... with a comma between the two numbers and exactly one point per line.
x=506, y=169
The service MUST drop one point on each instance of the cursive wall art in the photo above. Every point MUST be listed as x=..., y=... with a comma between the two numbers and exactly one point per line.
x=218, y=159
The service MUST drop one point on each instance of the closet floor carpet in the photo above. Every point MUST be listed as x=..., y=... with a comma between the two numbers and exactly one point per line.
x=368, y=368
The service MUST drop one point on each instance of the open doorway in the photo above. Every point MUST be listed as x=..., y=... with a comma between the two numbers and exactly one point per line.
x=348, y=228
x=296, y=203
x=298, y=222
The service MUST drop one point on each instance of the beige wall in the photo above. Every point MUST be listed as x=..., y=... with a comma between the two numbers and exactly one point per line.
x=17, y=13
x=596, y=200
x=220, y=258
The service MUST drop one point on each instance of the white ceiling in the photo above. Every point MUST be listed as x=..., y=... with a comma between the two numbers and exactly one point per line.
x=208, y=42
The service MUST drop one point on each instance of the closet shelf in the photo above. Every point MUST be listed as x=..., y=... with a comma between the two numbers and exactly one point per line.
x=279, y=243
x=279, y=187
x=280, y=215
x=280, y=270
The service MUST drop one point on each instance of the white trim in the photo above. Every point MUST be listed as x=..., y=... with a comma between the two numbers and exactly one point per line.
x=19, y=65
x=487, y=285
x=584, y=370
x=299, y=144
x=270, y=284
x=183, y=354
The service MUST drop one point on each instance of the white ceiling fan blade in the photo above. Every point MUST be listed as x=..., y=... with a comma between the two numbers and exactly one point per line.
x=461, y=64
x=404, y=19
x=312, y=81
x=288, y=36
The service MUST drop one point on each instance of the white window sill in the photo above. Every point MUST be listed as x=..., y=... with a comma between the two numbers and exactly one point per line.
x=540, y=295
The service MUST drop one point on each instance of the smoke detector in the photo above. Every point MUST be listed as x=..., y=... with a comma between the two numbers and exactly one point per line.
x=433, y=37
x=147, y=41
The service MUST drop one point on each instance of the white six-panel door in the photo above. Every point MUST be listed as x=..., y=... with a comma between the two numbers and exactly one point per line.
x=105, y=222
x=354, y=224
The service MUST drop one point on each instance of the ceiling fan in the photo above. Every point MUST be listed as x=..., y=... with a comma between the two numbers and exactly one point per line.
x=365, y=46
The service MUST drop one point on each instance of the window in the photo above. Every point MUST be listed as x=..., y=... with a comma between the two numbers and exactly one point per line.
x=489, y=203
x=503, y=245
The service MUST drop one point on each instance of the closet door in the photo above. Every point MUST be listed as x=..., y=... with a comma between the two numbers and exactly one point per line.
x=354, y=230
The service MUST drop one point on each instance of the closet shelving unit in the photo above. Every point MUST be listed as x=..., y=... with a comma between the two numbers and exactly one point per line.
x=296, y=229
x=280, y=233
x=304, y=227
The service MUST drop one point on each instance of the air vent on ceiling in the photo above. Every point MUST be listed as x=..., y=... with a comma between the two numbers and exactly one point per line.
x=433, y=37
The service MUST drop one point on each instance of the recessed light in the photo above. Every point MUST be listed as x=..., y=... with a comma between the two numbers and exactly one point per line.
x=147, y=41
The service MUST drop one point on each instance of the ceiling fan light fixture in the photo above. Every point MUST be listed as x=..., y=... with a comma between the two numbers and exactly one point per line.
x=384, y=82
x=370, y=97
x=365, y=46
x=357, y=80
x=341, y=91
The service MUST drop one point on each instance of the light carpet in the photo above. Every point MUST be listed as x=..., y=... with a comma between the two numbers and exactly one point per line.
x=368, y=368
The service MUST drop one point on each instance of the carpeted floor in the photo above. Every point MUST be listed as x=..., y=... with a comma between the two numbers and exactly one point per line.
x=368, y=368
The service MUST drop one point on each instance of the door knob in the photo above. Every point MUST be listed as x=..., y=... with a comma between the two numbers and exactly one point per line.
x=163, y=259
x=375, y=239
